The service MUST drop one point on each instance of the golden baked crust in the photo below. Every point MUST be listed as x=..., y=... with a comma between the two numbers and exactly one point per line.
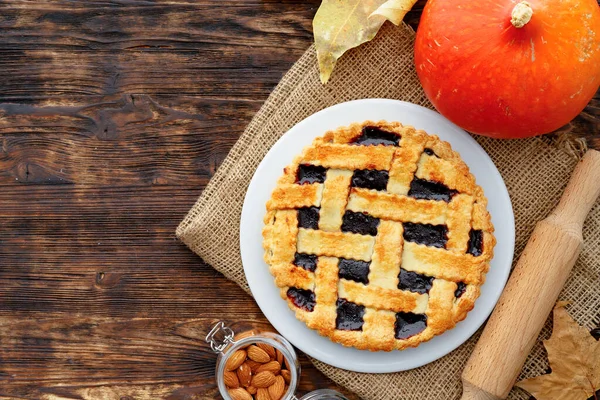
x=378, y=236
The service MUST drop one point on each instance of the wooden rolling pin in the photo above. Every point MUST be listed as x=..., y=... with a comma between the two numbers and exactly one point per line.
x=532, y=289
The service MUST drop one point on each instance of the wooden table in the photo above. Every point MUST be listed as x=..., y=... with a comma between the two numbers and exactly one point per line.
x=113, y=117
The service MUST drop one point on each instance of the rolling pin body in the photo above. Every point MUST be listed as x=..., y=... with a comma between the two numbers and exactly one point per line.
x=532, y=289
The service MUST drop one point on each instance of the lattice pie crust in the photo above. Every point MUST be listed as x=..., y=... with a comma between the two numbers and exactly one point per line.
x=378, y=236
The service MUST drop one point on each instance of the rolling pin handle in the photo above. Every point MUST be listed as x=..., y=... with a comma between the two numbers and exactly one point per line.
x=581, y=192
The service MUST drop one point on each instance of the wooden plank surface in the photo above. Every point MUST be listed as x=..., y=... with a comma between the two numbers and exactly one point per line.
x=113, y=117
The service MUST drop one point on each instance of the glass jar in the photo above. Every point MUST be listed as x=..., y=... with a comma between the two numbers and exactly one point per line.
x=222, y=341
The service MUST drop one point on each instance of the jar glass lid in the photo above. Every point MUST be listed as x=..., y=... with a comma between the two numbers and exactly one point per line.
x=324, y=394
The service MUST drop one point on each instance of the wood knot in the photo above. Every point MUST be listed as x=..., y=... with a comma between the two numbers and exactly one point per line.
x=107, y=280
x=133, y=109
x=29, y=172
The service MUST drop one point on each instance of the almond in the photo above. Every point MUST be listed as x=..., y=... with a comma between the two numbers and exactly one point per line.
x=276, y=389
x=235, y=360
x=257, y=354
x=262, y=394
x=272, y=366
x=231, y=379
x=279, y=357
x=251, y=389
x=253, y=365
x=244, y=335
x=244, y=374
x=268, y=349
x=263, y=379
x=287, y=376
x=240, y=394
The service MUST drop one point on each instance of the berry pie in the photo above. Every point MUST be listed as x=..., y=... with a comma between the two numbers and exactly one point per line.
x=378, y=236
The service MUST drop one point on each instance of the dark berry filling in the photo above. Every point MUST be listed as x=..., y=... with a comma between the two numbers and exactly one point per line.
x=414, y=282
x=359, y=223
x=595, y=396
x=429, y=152
x=409, y=324
x=460, y=290
x=370, y=179
x=304, y=299
x=310, y=174
x=475, y=245
x=306, y=261
x=349, y=316
x=354, y=270
x=428, y=190
x=429, y=235
x=596, y=333
x=308, y=218
x=372, y=135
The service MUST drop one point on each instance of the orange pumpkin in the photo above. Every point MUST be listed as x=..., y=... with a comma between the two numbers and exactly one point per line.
x=509, y=69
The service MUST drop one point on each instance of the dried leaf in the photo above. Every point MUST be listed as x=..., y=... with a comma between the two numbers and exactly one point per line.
x=574, y=357
x=341, y=25
x=394, y=10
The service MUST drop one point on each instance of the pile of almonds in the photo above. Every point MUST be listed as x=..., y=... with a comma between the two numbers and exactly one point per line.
x=257, y=371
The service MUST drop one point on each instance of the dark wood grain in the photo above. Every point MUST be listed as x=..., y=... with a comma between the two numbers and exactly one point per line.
x=113, y=117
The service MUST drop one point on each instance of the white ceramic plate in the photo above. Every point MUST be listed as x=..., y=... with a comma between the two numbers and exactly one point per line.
x=267, y=294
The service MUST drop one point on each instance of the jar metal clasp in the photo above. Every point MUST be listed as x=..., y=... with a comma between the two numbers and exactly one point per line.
x=219, y=330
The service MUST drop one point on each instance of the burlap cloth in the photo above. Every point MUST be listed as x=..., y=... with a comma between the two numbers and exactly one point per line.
x=535, y=172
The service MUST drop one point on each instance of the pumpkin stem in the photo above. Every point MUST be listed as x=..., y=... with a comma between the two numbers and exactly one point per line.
x=521, y=14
